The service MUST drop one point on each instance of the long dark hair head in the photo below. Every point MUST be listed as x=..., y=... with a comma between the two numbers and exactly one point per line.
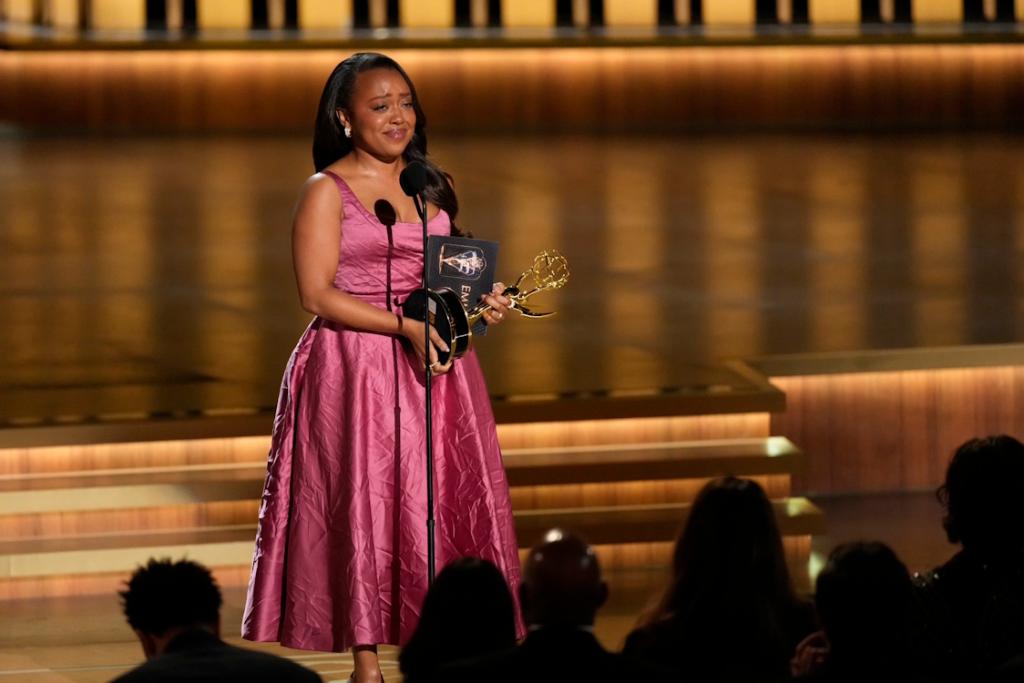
x=468, y=612
x=330, y=143
x=730, y=581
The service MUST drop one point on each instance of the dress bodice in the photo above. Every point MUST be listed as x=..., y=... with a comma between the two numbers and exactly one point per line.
x=366, y=252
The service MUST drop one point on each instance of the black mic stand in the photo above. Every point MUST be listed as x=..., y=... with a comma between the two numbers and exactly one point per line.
x=413, y=180
x=421, y=208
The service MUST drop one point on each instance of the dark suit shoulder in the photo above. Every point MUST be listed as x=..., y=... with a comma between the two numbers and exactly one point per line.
x=224, y=663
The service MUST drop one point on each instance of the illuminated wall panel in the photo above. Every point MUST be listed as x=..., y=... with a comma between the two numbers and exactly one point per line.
x=630, y=12
x=938, y=11
x=835, y=11
x=732, y=12
x=19, y=11
x=314, y=14
x=118, y=14
x=64, y=13
x=427, y=13
x=517, y=13
x=224, y=14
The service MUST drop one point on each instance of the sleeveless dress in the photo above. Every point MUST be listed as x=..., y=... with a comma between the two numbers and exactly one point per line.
x=341, y=546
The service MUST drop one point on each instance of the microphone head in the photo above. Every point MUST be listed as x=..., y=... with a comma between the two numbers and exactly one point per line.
x=385, y=212
x=413, y=179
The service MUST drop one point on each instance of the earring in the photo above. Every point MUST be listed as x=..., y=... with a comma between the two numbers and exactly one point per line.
x=348, y=131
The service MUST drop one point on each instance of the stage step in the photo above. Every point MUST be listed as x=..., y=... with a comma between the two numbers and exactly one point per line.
x=133, y=487
x=232, y=545
x=647, y=462
x=78, y=519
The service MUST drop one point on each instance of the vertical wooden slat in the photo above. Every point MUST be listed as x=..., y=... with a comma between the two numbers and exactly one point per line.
x=427, y=13
x=20, y=11
x=224, y=14
x=729, y=13
x=835, y=11
x=65, y=13
x=118, y=14
x=535, y=14
x=324, y=14
x=938, y=11
x=630, y=12
x=378, y=13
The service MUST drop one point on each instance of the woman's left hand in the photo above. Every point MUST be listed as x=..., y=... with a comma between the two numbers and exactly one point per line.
x=499, y=304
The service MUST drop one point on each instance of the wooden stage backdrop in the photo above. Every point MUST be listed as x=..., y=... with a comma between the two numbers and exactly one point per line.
x=880, y=86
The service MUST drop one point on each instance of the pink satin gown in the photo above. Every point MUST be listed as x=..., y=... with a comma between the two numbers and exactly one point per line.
x=341, y=548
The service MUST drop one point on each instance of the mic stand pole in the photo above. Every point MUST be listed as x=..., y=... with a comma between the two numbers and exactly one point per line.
x=421, y=208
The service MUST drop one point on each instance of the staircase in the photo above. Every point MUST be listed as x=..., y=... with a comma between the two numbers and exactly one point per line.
x=77, y=518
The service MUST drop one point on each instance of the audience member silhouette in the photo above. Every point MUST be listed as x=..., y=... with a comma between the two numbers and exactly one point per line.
x=174, y=609
x=973, y=604
x=561, y=592
x=730, y=612
x=468, y=612
x=865, y=602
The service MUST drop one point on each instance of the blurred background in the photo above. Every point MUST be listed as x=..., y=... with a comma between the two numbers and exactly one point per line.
x=795, y=229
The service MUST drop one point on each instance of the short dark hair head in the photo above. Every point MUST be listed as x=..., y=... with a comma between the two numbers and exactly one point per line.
x=165, y=594
x=864, y=597
x=562, y=584
x=984, y=495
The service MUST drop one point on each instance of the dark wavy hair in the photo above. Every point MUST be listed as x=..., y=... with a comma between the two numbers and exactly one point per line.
x=729, y=546
x=730, y=582
x=468, y=612
x=330, y=143
x=984, y=495
x=166, y=594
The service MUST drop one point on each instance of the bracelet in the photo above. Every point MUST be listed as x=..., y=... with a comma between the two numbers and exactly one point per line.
x=399, y=318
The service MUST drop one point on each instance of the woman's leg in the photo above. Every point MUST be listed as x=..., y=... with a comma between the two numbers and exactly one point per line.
x=367, y=667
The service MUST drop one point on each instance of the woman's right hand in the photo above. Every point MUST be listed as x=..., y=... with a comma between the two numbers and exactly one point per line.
x=413, y=331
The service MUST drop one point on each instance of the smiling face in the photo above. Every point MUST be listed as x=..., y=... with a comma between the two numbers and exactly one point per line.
x=381, y=113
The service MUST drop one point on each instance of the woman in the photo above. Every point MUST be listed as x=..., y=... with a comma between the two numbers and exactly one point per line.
x=467, y=613
x=972, y=604
x=730, y=612
x=340, y=558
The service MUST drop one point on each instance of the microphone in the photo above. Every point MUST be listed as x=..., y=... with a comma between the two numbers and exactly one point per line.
x=413, y=179
x=385, y=213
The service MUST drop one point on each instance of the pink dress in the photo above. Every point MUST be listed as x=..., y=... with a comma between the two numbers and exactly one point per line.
x=341, y=547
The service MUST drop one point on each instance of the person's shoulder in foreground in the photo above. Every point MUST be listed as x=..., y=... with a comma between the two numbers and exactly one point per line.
x=200, y=656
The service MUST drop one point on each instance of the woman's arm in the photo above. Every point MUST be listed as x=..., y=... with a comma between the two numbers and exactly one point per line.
x=316, y=240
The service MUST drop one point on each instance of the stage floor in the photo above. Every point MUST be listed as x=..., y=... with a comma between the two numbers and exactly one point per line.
x=148, y=276
x=85, y=639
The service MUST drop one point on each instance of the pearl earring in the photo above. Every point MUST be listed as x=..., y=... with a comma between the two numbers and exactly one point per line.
x=348, y=131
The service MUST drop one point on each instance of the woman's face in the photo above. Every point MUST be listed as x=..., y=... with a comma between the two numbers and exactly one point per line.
x=381, y=113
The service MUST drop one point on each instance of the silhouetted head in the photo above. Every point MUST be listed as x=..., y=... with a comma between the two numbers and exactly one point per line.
x=984, y=496
x=730, y=548
x=562, y=583
x=864, y=597
x=468, y=612
x=165, y=598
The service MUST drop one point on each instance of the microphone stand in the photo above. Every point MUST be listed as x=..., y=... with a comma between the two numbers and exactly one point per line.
x=421, y=208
